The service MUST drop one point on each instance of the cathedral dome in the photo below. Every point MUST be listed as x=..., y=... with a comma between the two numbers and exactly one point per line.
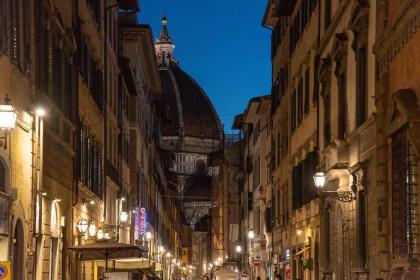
x=191, y=117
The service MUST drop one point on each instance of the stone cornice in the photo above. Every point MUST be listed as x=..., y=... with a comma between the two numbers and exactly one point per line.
x=396, y=35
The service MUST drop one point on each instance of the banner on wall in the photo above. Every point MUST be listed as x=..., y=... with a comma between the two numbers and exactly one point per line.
x=5, y=271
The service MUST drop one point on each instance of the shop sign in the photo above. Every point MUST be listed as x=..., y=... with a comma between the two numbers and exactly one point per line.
x=287, y=255
x=5, y=272
x=288, y=271
x=143, y=221
x=257, y=260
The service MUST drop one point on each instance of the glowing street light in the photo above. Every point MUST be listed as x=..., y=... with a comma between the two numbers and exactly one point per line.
x=319, y=180
x=100, y=234
x=92, y=229
x=8, y=115
x=82, y=226
x=149, y=235
x=124, y=217
x=251, y=234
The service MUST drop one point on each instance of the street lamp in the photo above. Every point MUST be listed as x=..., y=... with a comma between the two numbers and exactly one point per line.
x=100, y=234
x=82, y=226
x=319, y=180
x=340, y=195
x=238, y=248
x=251, y=234
x=123, y=217
x=40, y=112
x=149, y=235
x=92, y=230
x=8, y=115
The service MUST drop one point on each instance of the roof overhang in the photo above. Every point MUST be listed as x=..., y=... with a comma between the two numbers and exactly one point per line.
x=253, y=107
x=107, y=251
x=276, y=9
x=129, y=5
x=267, y=20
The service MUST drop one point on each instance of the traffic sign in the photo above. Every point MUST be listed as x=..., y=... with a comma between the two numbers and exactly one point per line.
x=257, y=260
x=5, y=272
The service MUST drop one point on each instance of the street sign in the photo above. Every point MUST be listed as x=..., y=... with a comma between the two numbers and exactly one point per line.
x=257, y=260
x=5, y=272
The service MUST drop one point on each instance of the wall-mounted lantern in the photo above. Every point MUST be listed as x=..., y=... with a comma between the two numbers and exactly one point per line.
x=340, y=195
x=82, y=226
x=8, y=116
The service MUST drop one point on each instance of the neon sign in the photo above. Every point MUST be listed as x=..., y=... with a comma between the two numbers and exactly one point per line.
x=142, y=222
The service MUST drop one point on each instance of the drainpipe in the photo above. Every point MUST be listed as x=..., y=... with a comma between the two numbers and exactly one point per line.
x=35, y=185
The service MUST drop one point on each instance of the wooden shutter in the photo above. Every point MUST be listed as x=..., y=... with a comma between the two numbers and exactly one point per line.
x=14, y=32
x=300, y=101
x=312, y=166
x=26, y=35
x=3, y=26
x=306, y=107
x=268, y=220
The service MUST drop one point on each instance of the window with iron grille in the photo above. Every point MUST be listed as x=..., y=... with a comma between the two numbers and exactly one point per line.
x=404, y=195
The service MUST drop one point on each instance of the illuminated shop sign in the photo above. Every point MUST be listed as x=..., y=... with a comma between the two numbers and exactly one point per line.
x=142, y=222
x=287, y=255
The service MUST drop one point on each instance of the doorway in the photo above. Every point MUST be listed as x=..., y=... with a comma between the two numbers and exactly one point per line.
x=18, y=251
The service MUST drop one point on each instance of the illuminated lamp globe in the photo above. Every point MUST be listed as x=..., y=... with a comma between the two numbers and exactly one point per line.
x=319, y=180
x=100, y=234
x=8, y=115
x=238, y=248
x=124, y=217
x=148, y=235
x=82, y=226
x=92, y=229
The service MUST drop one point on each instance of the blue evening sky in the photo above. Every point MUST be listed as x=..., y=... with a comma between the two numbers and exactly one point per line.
x=221, y=44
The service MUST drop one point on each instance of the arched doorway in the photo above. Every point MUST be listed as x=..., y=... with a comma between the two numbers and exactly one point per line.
x=18, y=251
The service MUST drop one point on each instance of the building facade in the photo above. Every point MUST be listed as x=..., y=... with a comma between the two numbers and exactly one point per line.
x=323, y=68
x=397, y=93
x=81, y=158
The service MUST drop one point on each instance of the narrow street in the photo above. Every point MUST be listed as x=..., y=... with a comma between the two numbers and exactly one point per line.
x=209, y=140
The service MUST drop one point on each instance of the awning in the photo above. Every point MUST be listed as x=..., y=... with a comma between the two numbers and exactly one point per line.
x=107, y=251
x=301, y=251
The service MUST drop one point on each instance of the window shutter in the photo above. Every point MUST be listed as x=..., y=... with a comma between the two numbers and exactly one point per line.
x=83, y=156
x=3, y=26
x=14, y=32
x=268, y=220
x=26, y=36
x=312, y=165
x=306, y=109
